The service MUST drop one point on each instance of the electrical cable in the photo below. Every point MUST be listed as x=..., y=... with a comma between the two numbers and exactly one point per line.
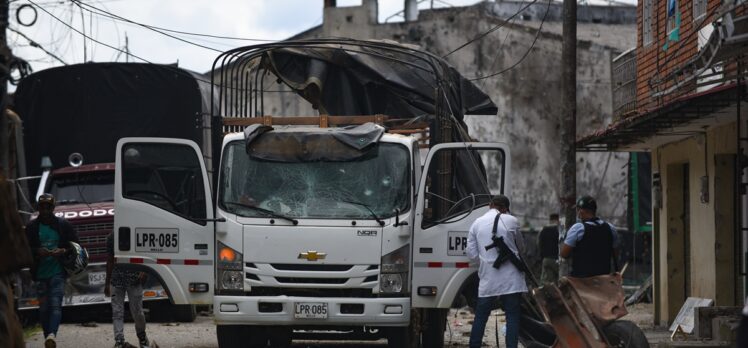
x=35, y=44
x=82, y=5
x=83, y=34
x=108, y=14
x=489, y=31
x=532, y=45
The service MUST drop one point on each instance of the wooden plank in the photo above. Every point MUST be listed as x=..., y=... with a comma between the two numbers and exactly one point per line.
x=407, y=131
x=303, y=120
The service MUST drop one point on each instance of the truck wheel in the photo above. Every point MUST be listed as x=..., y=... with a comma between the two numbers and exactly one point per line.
x=230, y=336
x=240, y=336
x=625, y=334
x=402, y=337
x=436, y=323
x=280, y=337
x=184, y=313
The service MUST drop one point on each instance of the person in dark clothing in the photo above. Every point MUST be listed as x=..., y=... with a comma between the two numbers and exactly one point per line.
x=49, y=238
x=590, y=243
x=548, y=246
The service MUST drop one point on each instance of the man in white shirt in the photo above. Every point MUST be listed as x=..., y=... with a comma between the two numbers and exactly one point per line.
x=507, y=282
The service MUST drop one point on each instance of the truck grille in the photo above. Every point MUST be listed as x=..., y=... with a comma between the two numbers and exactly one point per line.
x=106, y=226
x=313, y=268
x=302, y=292
x=298, y=280
x=92, y=239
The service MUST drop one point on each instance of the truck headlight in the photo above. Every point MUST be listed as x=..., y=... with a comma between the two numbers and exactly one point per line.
x=393, y=278
x=229, y=268
x=391, y=283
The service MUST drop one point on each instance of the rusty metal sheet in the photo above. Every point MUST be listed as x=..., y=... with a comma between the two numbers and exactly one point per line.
x=602, y=296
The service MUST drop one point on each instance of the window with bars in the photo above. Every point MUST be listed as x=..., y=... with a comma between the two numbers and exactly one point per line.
x=647, y=35
x=699, y=9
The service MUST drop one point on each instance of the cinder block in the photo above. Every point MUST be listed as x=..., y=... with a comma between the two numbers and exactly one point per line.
x=703, y=319
x=725, y=329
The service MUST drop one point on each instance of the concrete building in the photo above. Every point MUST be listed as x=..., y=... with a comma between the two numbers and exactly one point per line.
x=528, y=95
x=684, y=102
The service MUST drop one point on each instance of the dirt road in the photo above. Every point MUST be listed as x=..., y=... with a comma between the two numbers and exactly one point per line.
x=202, y=333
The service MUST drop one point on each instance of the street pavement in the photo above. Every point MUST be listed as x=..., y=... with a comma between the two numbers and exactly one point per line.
x=202, y=334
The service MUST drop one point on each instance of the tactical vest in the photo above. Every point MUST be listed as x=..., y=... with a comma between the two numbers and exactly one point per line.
x=594, y=252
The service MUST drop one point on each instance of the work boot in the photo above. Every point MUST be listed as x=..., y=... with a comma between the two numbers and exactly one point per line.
x=144, y=343
x=50, y=341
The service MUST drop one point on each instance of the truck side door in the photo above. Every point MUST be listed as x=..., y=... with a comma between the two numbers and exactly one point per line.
x=164, y=215
x=456, y=187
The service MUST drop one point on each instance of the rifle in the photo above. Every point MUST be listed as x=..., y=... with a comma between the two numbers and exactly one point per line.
x=506, y=254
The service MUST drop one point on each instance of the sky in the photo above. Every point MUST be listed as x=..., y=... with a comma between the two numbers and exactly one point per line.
x=252, y=19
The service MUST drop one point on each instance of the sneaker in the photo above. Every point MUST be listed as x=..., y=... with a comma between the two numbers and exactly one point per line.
x=49, y=342
x=144, y=343
x=123, y=345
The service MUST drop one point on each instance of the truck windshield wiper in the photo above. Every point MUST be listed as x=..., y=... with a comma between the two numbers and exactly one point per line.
x=267, y=212
x=381, y=223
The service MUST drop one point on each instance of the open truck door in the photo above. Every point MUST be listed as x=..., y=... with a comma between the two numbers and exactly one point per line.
x=456, y=187
x=164, y=215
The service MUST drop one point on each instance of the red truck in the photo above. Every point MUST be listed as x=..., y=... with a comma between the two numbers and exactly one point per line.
x=84, y=194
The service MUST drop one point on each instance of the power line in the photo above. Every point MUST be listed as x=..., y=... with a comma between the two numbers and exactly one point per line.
x=159, y=29
x=35, y=44
x=83, y=34
x=82, y=5
x=489, y=31
x=537, y=34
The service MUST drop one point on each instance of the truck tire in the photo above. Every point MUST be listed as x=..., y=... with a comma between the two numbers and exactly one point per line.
x=230, y=336
x=240, y=336
x=625, y=334
x=280, y=337
x=435, y=324
x=402, y=337
x=184, y=313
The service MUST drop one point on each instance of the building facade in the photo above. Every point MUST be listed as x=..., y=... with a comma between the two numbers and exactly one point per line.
x=685, y=106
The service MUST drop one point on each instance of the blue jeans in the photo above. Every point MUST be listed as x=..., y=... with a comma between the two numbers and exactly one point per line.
x=50, y=292
x=483, y=311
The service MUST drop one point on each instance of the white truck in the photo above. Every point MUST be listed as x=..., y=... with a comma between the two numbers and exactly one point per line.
x=324, y=245
x=326, y=227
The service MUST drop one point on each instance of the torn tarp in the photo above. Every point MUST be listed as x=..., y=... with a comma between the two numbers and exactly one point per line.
x=345, y=82
x=324, y=144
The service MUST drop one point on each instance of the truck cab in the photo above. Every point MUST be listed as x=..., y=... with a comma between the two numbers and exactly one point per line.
x=313, y=231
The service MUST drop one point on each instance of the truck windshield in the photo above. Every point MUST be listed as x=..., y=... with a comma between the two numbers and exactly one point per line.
x=317, y=189
x=77, y=188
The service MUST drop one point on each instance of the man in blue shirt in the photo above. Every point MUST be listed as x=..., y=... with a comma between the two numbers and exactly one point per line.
x=49, y=238
x=591, y=242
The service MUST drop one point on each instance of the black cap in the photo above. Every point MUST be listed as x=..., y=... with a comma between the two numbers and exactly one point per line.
x=586, y=202
x=500, y=201
x=46, y=198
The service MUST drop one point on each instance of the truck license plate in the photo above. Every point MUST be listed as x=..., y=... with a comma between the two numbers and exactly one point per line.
x=310, y=310
x=96, y=278
x=157, y=240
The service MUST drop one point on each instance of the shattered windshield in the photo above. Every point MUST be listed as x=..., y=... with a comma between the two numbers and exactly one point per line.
x=321, y=189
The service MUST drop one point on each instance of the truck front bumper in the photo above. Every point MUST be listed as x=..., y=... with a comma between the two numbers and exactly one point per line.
x=244, y=310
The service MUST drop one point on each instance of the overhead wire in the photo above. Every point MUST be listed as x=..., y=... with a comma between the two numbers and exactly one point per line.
x=35, y=44
x=532, y=45
x=162, y=30
x=489, y=31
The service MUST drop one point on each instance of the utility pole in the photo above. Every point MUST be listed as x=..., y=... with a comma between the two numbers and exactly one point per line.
x=569, y=116
x=5, y=57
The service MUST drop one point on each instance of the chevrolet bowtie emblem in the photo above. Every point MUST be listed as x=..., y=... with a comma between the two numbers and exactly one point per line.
x=312, y=255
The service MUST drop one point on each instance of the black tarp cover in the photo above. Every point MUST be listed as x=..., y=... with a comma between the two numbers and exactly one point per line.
x=87, y=108
x=345, y=82
x=321, y=144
